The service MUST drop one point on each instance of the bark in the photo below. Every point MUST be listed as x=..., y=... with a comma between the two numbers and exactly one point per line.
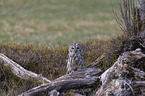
x=117, y=80
x=61, y=86
x=20, y=72
x=85, y=78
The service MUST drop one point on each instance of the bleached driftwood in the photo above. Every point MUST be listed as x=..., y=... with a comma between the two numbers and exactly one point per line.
x=115, y=80
x=84, y=78
x=20, y=72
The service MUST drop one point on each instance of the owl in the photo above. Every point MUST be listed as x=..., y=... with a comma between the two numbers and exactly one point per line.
x=75, y=58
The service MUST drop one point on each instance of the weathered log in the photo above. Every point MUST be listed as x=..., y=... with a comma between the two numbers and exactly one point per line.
x=139, y=75
x=116, y=80
x=61, y=87
x=20, y=72
x=138, y=84
x=84, y=78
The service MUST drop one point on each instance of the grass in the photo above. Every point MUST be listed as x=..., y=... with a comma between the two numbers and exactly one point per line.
x=56, y=23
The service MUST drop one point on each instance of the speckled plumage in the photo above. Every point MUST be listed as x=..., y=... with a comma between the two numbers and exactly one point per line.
x=75, y=57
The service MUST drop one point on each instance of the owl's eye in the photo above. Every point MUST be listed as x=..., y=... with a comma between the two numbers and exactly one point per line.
x=77, y=47
x=72, y=47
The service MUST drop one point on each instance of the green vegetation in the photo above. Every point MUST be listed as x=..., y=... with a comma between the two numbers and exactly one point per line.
x=56, y=23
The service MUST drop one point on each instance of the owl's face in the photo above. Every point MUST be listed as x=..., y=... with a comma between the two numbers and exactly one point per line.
x=75, y=48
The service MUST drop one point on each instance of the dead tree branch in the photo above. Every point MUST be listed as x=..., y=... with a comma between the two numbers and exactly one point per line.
x=117, y=76
x=20, y=72
x=84, y=78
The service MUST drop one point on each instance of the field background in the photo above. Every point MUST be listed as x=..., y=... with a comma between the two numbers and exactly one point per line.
x=56, y=23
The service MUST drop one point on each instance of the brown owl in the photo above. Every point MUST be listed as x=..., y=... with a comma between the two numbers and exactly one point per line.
x=75, y=58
